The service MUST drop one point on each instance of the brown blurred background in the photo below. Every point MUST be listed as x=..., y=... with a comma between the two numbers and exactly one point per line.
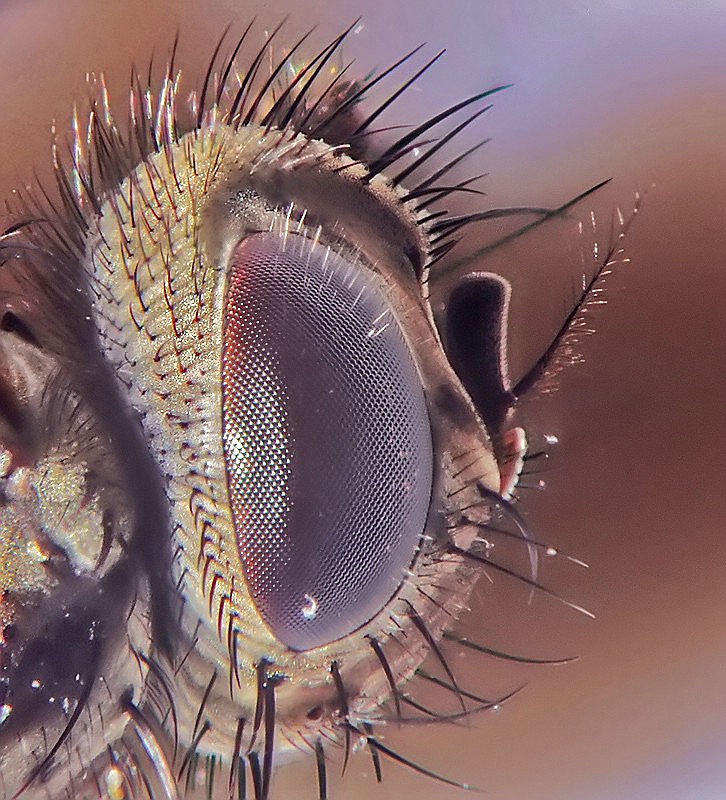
x=636, y=484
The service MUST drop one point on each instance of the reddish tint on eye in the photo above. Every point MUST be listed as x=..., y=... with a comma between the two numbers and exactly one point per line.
x=327, y=438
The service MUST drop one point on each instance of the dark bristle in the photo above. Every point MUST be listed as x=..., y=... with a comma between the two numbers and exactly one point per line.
x=393, y=97
x=359, y=94
x=392, y=153
x=486, y=250
x=270, y=687
x=252, y=111
x=385, y=665
x=323, y=58
x=527, y=537
x=343, y=700
x=480, y=648
x=304, y=123
x=292, y=95
x=253, y=760
x=236, y=109
x=205, y=698
x=241, y=779
x=161, y=678
x=208, y=76
x=514, y=574
x=199, y=730
x=409, y=701
x=188, y=763
x=453, y=224
x=321, y=770
x=236, y=762
x=230, y=63
x=424, y=157
x=421, y=673
x=449, y=165
x=210, y=771
x=260, y=701
x=420, y=624
x=90, y=680
x=442, y=191
x=406, y=762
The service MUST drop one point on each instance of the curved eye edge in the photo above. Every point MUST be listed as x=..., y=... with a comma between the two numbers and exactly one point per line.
x=327, y=438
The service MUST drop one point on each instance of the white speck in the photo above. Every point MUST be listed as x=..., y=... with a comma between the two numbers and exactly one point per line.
x=550, y=438
x=65, y=705
x=551, y=551
x=310, y=609
x=35, y=683
x=5, y=711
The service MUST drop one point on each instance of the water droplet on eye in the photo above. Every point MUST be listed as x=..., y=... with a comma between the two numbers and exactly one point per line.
x=310, y=609
x=5, y=711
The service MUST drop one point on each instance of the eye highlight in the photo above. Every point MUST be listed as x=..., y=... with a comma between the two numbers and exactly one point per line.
x=293, y=487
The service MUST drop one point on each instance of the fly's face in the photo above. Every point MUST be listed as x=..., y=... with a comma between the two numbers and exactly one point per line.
x=242, y=488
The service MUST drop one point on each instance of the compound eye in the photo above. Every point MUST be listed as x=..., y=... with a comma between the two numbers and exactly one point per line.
x=327, y=437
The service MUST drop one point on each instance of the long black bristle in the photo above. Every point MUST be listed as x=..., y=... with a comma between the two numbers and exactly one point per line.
x=385, y=665
x=434, y=645
x=270, y=721
x=343, y=699
x=230, y=63
x=208, y=76
x=321, y=770
x=282, y=63
x=323, y=57
x=481, y=252
x=375, y=757
x=452, y=548
x=363, y=90
x=397, y=93
x=480, y=648
x=191, y=753
x=236, y=762
x=392, y=153
x=406, y=762
x=236, y=108
x=90, y=680
x=256, y=772
x=260, y=702
x=424, y=157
